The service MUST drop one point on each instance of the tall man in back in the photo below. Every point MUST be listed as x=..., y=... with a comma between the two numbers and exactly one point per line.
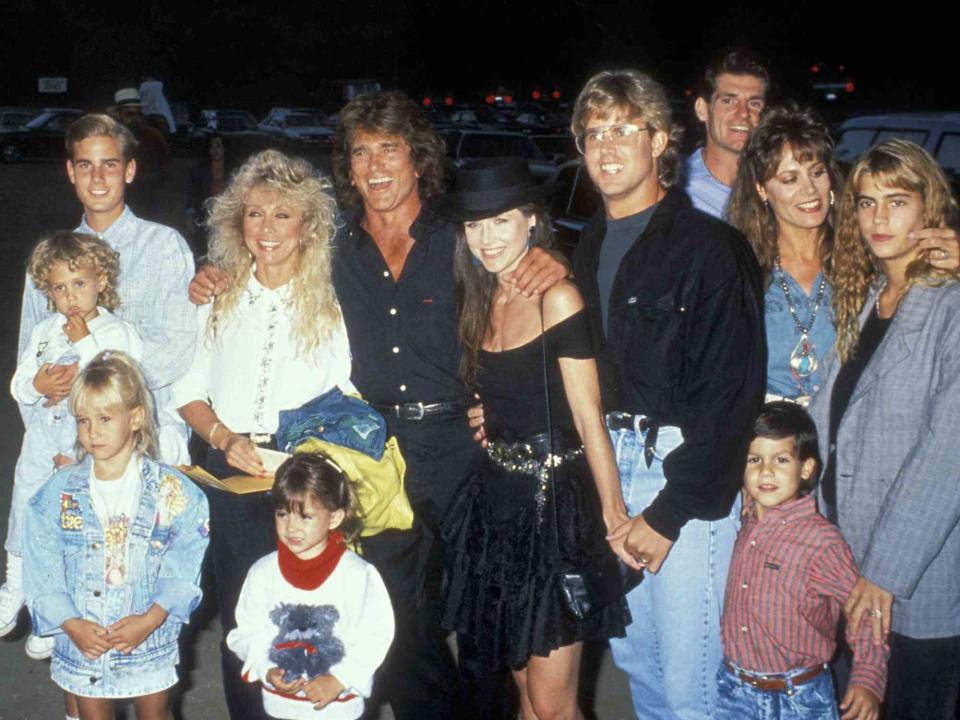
x=732, y=94
x=673, y=297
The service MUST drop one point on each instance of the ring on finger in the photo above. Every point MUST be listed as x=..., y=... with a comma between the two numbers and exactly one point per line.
x=876, y=612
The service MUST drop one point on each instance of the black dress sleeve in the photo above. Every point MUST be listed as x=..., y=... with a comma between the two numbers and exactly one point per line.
x=570, y=338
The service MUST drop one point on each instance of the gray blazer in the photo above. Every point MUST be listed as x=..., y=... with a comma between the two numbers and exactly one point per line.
x=898, y=461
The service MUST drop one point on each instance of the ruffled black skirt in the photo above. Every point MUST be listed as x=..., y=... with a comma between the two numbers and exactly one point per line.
x=504, y=582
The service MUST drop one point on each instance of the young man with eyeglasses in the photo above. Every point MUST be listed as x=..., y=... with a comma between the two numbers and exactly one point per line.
x=673, y=297
x=732, y=95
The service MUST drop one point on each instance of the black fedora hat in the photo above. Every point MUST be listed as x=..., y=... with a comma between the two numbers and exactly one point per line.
x=490, y=186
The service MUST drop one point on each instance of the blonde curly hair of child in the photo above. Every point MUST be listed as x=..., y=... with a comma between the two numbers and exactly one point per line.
x=76, y=249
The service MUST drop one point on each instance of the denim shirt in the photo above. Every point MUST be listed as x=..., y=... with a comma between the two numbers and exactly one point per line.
x=64, y=574
x=783, y=336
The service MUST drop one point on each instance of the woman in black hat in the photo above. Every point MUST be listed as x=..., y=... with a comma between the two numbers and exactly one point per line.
x=522, y=523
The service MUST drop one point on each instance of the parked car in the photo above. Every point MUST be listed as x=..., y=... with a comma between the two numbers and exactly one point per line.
x=239, y=129
x=14, y=117
x=556, y=148
x=939, y=133
x=300, y=125
x=574, y=201
x=40, y=138
x=544, y=122
x=463, y=145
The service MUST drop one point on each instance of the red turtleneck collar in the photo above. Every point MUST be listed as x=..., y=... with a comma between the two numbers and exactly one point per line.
x=311, y=574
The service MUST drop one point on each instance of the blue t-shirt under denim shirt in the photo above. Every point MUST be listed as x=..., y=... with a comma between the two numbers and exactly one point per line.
x=621, y=234
x=783, y=336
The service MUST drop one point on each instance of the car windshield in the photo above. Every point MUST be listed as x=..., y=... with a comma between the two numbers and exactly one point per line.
x=235, y=122
x=14, y=120
x=301, y=120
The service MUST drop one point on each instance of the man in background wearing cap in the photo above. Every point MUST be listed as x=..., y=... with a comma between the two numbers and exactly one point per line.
x=152, y=153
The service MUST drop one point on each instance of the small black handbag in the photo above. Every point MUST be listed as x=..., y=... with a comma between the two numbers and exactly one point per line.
x=607, y=578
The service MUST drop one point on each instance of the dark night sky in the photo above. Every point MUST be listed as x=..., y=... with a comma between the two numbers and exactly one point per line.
x=268, y=53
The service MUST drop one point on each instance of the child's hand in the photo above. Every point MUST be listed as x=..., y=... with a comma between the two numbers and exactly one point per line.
x=275, y=678
x=323, y=690
x=127, y=633
x=54, y=381
x=60, y=460
x=76, y=327
x=89, y=637
x=859, y=704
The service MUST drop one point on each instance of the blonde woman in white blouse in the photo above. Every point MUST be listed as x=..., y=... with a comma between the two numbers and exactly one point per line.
x=274, y=340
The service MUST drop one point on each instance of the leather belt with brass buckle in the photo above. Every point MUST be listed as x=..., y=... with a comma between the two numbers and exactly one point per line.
x=776, y=683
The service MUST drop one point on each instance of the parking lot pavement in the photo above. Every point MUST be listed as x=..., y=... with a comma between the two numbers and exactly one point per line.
x=36, y=198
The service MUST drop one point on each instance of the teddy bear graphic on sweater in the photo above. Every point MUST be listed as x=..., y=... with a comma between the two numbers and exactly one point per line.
x=305, y=646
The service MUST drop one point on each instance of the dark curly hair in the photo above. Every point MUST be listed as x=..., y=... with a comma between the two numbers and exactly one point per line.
x=389, y=113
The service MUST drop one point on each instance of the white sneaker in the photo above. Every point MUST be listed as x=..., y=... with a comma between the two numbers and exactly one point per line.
x=39, y=648
x=11, y=595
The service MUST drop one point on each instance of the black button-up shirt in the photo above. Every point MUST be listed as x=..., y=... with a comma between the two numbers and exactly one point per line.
x=403, y=333
x=685, y=345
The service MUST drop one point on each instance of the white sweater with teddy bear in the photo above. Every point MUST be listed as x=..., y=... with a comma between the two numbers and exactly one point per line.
x=343, y=626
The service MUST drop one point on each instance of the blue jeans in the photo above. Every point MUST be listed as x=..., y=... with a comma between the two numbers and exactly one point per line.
x=813, y=700
x=672, y=648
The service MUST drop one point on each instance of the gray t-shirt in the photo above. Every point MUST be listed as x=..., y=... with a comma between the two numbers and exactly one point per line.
x=620, y=236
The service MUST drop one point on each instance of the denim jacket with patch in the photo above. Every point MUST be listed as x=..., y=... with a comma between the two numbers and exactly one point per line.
x=64, y=571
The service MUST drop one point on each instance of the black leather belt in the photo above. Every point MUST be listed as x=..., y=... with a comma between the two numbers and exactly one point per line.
x=421, y=411
x=648, y=426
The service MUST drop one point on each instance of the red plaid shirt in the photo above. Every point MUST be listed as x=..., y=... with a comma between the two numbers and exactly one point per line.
x=789, y=577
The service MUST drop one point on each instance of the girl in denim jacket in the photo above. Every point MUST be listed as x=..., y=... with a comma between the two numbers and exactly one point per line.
x=112, y=550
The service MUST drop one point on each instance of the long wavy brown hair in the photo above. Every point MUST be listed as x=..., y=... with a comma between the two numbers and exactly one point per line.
x=475, y=288
x=800, y=130
x=315, y=311
x=893, y=164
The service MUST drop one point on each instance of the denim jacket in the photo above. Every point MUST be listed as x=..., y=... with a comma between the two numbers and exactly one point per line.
x=64, y=574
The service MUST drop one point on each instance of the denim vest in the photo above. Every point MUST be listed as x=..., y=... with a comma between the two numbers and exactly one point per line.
x=64, y=572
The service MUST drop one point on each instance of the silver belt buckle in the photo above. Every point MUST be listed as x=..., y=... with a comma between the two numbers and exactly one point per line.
x=261, y=438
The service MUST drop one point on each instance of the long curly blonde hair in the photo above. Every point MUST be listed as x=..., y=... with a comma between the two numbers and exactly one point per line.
x=893, y=164
x=313, y=300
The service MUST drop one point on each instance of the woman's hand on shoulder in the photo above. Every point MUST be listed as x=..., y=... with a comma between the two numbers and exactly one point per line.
x=209, y=282
x=242, y=454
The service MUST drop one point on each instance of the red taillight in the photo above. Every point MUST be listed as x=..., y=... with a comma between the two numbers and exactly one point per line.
x=448, y=101
x=849, y=87
x=814, y=68
x=490, y=99
x=535, y=94
x=427, y=102
x=555, y=94
x=508, y=98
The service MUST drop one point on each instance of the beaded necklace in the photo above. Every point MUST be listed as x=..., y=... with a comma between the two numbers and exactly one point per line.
x=803, y=359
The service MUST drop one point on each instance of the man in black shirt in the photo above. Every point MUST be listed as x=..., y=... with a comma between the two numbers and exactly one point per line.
x=675, y=313
x=393, y=272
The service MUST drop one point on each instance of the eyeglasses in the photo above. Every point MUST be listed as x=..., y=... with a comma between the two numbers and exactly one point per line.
x=620, y=134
